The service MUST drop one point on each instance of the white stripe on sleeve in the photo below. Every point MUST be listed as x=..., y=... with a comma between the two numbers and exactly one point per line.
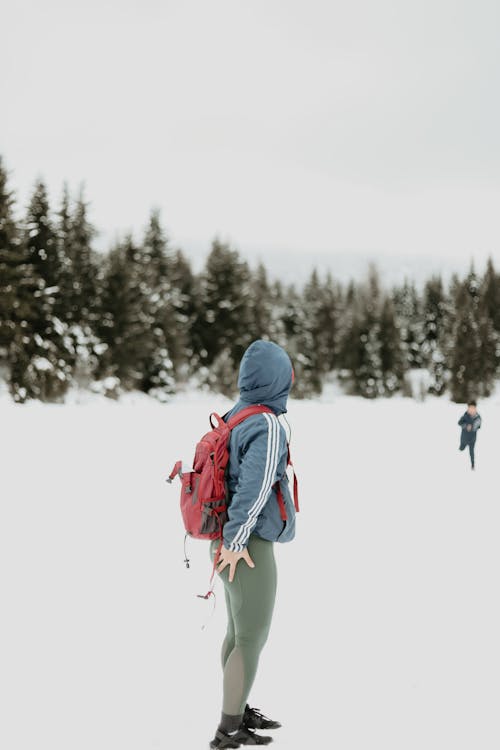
x=271, y=466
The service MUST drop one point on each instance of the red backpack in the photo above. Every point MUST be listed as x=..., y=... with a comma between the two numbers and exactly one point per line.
x=204, y=487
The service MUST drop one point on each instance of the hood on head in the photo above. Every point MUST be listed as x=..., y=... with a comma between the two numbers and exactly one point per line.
x=265, y=375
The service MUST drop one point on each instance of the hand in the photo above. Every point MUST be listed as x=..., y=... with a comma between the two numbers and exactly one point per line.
x=469, y=427
x=232, y=558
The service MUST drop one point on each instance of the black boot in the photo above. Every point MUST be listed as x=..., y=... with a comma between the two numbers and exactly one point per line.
x=224, y=741
x=254, y=719
x=247, y=736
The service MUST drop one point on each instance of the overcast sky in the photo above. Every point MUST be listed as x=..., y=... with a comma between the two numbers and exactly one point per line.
x=353, y=129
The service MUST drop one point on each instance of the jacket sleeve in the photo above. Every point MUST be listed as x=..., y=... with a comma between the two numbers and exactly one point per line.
x=461, y=421
x=476, y=424
x=258, y=471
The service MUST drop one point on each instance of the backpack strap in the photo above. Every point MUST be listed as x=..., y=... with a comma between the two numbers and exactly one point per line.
x=261, y=409
x=295, y=483
x=248, y=411
x=279, y=492
x=281, y=502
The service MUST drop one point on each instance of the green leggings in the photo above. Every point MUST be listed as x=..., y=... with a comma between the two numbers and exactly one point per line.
x=250, y=602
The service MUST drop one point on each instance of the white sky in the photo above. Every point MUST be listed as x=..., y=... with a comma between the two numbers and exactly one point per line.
x=367, y=128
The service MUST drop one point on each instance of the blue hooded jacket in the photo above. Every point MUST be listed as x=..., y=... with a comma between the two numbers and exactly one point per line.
x=469, y=436
x=258, y=451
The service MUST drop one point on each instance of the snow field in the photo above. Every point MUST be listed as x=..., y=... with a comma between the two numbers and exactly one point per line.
x=386, y=623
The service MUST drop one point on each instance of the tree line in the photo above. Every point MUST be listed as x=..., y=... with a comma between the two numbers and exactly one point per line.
x=139, y=318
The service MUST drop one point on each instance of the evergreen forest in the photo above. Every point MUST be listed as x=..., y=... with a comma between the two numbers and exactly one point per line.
x=139, y=318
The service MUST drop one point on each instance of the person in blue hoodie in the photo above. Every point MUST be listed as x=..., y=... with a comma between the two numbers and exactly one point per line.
x=258, y=457
x=470, y=423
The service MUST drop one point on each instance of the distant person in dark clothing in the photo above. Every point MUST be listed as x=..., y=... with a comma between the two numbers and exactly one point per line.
x=470, y=423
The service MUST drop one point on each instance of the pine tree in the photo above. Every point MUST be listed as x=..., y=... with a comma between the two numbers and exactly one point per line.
x=20, y=290
x=39, y=366
x=361, y=347
x=489, y=327
x=449, y=326
x=223, y=325
x=329, y=324
x=16, y=289
x=169, y=331
x=261, y=305
x=408, y=315
x=111, y=325
x=79, y=300
x=392, y=362
x=62, y=230
x=41, y=240
x=278, y=313
x=83, y=265
x=291, y=310
x=346, y=326
x=287, y=321
x=306, y=343
x=169, y=289
x=435, y=312
x=490, y=294
x=136, y=351
x=489, y=352
x=121, y=308
x=466, y=370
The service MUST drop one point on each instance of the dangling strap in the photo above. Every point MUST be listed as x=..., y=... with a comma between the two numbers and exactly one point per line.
x=177, y=470
x=216, y=560
x=210, y=592
x=205, y=624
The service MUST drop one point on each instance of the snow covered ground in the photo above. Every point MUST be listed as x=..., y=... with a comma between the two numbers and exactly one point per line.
x=387, y=627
